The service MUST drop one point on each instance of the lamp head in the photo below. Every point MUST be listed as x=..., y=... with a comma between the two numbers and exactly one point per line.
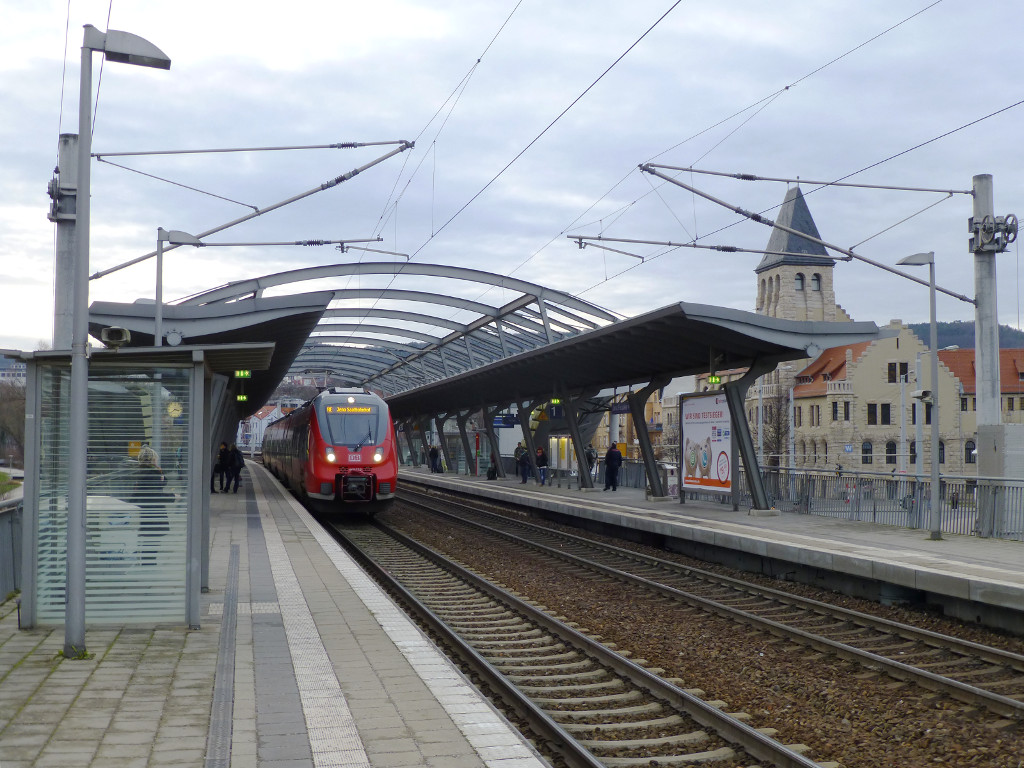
x=918, y=259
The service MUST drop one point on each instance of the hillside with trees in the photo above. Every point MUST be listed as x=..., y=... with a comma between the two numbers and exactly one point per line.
x=961, y=334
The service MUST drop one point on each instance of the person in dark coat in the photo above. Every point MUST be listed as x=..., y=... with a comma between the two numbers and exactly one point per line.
x=235, y=465
x=435, y=459
x=612, y=462
x=220, y=467
x=542, y=465
x=522, y=462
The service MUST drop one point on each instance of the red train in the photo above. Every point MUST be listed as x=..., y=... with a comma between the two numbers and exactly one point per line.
x=339, y=449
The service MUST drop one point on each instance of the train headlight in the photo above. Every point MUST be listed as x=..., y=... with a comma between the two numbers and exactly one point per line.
x=330, y=455
x=351, y=399
x=378, y=456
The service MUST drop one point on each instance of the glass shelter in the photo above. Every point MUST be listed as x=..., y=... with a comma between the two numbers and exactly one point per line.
x=150, y=413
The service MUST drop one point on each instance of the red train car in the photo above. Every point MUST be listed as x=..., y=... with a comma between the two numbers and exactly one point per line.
x=337, y=450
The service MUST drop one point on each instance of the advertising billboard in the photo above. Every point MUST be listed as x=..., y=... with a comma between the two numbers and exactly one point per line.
x=707, y=443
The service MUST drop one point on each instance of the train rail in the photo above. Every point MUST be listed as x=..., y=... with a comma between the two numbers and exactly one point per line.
x=975, y=674
x=587, y=703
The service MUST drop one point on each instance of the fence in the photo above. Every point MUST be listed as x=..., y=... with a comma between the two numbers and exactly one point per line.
x=967, y=505
x=10, y=547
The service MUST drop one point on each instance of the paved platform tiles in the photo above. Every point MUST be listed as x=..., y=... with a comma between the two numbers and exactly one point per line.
x=988, y=571
x=300, y=661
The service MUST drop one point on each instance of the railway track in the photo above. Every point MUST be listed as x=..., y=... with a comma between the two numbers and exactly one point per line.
x=587, y=703
x=975, y=674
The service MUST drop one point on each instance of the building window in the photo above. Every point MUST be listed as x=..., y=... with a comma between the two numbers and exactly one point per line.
x=865, y=452
x=897, y=372
x=815, y=282
x=799, y=281
x=942, y=452
x=927, y=413
x=872, y=414
x=824, y=450
x=1009, y=403
x=974, y=403
x=886, y=416
x=963, y=403
x=970, y=452
x=890, y=452
x=835, y=410
x=846, y=410
x=913, y=452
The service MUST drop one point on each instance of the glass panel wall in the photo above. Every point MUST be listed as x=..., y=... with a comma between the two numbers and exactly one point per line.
x=136, y=493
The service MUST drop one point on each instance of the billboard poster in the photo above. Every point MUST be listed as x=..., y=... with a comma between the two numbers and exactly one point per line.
x=707, y=443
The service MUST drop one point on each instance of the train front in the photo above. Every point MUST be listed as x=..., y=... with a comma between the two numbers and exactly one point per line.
x=353, y=458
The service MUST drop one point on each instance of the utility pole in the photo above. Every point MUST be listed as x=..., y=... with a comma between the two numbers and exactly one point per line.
x=990, y=235
x=63, y=189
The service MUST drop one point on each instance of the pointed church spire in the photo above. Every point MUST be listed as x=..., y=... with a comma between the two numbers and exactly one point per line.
x=794, y=214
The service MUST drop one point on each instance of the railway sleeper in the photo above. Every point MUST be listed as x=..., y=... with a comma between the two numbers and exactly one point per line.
x=540, y=675
x=667, y=761
x=691, y=739
x=610, y=683
x=555, y=648
x=660, y=722
x=567, y=716
x=611, y=698
x=480, y=636
x=564, y=659
x=526, y=636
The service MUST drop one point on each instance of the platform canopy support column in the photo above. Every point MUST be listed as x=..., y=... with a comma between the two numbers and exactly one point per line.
x=637, y=400
x=735, y=394
x=424, y=425
x=525, y=409
x=492, y=436
x=408, y=428
x=439, y=421
x=572, y=407
x=471, y=465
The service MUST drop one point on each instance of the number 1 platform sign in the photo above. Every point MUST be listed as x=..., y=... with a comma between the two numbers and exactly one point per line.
x=706, y=439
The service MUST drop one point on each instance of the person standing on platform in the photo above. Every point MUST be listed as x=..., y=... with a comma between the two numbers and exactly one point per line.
x=435, y=459
x=591, y=456
x=542, y=465
x=220, y=467
x=522, y=462
x=612, y=462
x=235, y=465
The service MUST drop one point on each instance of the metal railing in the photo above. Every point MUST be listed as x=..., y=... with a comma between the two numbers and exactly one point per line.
x=10, y=547
x=988, y=507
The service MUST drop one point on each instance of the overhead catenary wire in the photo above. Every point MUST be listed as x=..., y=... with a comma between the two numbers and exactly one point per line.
x=763, y=100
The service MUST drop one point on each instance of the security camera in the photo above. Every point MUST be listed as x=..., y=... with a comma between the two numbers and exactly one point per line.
x=925, y=395
x=115, y=337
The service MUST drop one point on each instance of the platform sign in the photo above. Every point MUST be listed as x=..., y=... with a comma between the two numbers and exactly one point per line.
x=707, y=443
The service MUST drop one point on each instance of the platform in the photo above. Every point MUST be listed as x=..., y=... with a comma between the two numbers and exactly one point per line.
x=972, y=578
x=300, y=661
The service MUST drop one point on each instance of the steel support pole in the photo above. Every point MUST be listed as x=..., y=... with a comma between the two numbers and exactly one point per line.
x=936, y=521
x=637, y=401
x=78, y=427
x=986, y=322
x=460, y=420
x=64, y=214
x=492, y=437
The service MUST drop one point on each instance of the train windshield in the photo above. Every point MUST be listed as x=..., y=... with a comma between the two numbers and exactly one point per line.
x=353, y=424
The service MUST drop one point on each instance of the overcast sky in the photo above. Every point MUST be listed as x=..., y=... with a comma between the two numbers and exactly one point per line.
x=782, y=89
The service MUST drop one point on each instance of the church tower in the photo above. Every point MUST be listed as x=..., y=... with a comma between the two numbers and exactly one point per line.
x=794, y=279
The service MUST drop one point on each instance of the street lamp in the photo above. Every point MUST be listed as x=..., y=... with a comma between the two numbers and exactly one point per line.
x=174, y=237
x=917, y=260
x=128, y=49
